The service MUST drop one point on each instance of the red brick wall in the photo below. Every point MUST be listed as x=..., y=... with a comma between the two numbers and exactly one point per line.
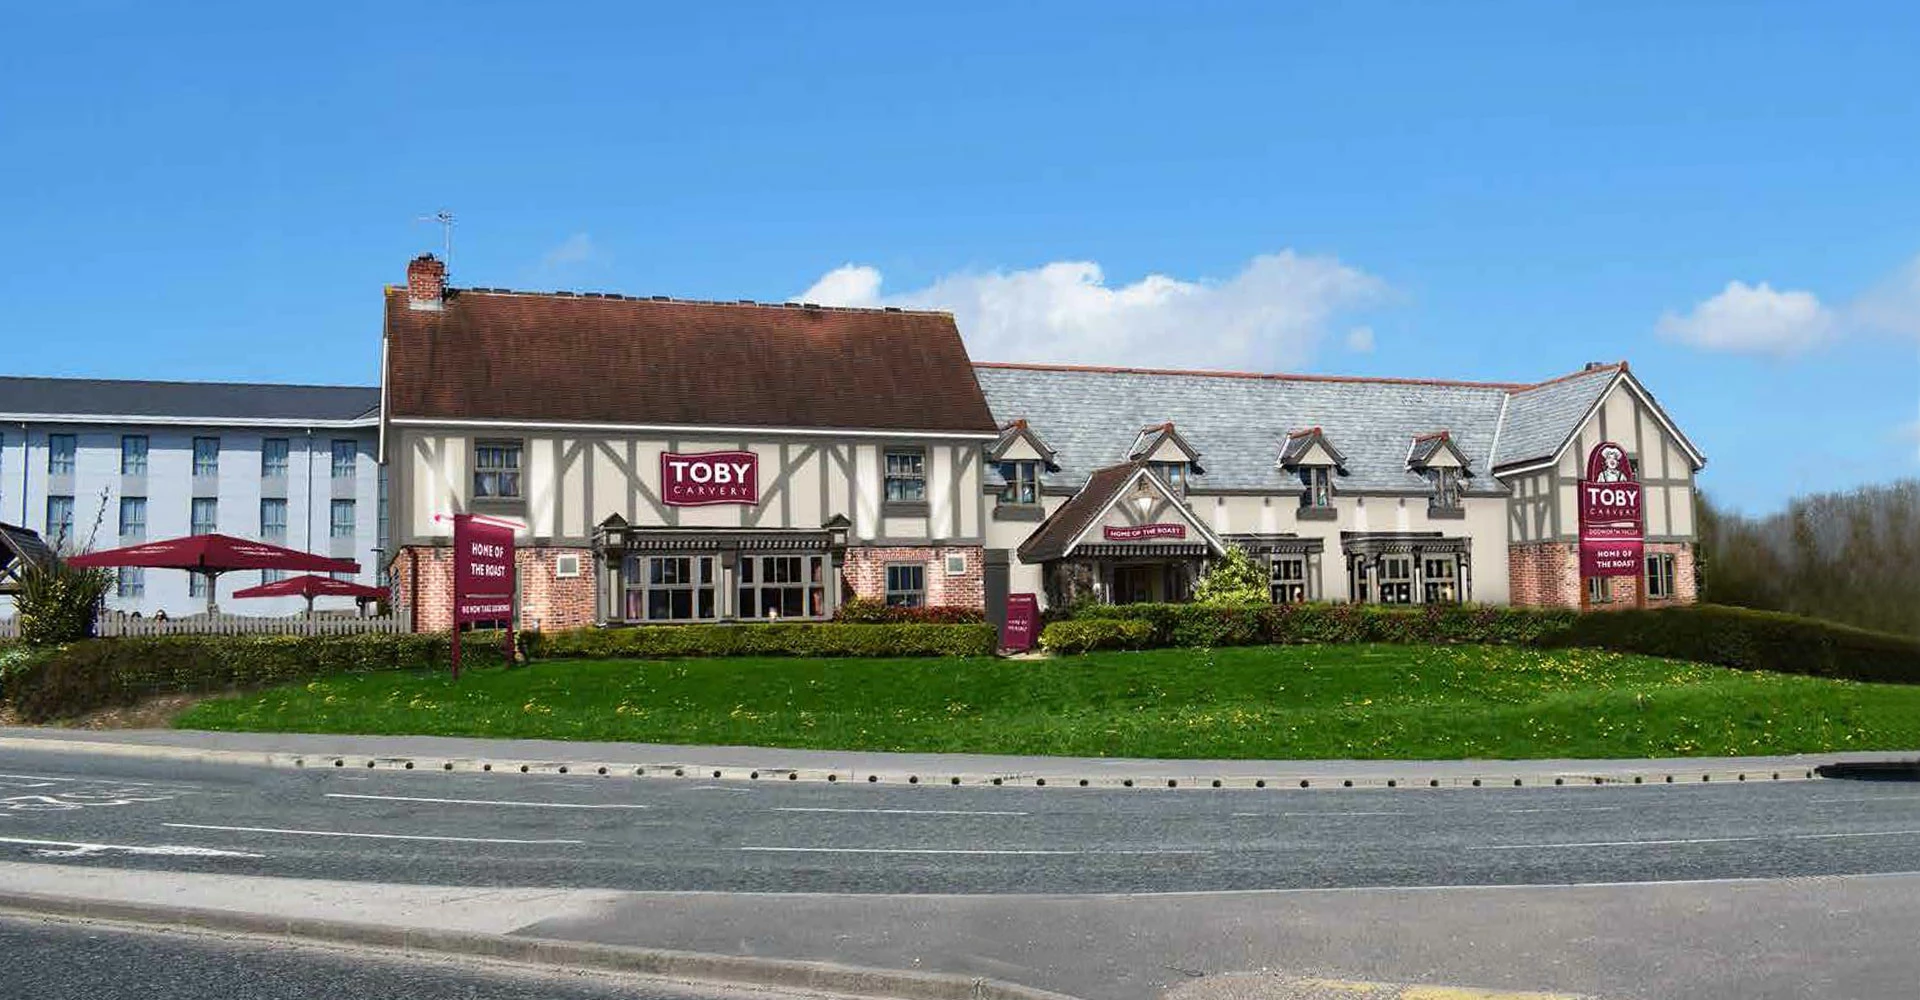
x=1548, y=573
x=546, y=600
x=865, y=570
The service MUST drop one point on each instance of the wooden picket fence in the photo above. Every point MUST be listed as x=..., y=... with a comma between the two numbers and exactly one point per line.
x=116, y=624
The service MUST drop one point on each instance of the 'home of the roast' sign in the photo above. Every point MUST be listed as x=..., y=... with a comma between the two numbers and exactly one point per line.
x=709, y=477
x=1612, y=525
x=1136, y=532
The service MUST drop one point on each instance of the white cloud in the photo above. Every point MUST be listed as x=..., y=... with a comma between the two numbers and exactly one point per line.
x=1272, y=314
x=1360, y=340
x=1755, y=319
x=575, y=249
x=1893, y=305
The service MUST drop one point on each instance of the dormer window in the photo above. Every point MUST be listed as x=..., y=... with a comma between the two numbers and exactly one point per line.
x=1318, y=480
x=1437, y=459
x=1174, y=474
x=1020, y=483
x=1446, y=488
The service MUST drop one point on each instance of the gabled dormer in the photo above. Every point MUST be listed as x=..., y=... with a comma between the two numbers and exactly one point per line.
x=1168, y=455
x=1021, y=459
x=1436, y=457
x=1309, y=455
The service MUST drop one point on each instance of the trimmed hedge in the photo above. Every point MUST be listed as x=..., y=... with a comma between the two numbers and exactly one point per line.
x=867, y=611
x=1089, y=634
x=766, y=639
x=1749, y=640
x=1259, y=625
x=63, y=681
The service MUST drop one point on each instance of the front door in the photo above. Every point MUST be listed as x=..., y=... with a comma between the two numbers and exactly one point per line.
x=1133, y=584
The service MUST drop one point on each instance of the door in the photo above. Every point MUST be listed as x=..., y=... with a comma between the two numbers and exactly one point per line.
x=994, y=585
x=1133, y=584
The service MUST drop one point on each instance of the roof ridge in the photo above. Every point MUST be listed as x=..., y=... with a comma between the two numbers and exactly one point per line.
x=672, y=300
x=199, y=383
x=1262, y=376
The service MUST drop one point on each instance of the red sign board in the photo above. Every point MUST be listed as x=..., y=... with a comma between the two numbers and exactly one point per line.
x=1136, y=532
x=1612, y=519
x=482, y=569
x=1023, y=622
x=709, y=477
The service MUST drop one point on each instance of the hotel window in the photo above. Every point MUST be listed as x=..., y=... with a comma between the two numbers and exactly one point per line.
x=496, y=470
x=1660, y=576
x=1020, y=483
x=1289, y=579
x=273, y=458
x=206, y=456
x=1446, y=488
x=1396, y=579
x=345, y=454
x=273, y=521
x=60, y=521
x=130, y=581
x=1442, y=579
x=204, y=516
x=1599, y=590
x=906, y=475
x=1318, y=479
x=783, y=587
x=906, y=585
x=671, y=588
x=1174, y=474
x=133, y=454
x=60, y=448
x=341, y=514
x=196, y=585
x=133, y=518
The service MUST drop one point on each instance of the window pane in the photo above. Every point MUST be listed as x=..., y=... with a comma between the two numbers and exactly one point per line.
x=205, y=516
x=345, y=454
x=342, y=526
x=206, y=456
x=133, y=455
x=273, y=458
x=60, y=449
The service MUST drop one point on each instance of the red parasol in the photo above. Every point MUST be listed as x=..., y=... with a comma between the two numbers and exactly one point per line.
x=310, y=587
x=212, y=555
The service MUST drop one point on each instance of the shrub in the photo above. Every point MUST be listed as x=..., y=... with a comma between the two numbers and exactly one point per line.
x=62, y=681
x=1235, y=580
x=1088, y=634
x=768, y=639
x=1205, y=625
x=57, y=603
x=866, y=611
x=1750, y=640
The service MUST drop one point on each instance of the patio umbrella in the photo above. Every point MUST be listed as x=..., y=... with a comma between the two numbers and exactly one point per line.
x=212, y=555
x=310, y=587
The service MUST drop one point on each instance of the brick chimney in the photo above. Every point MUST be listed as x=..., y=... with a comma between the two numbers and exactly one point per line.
x=426, y=282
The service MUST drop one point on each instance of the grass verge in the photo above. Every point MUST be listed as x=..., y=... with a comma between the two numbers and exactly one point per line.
x=1288, y=702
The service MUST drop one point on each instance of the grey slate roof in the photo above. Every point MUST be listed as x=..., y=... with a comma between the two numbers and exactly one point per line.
x=1240, y=423
x=238, y=401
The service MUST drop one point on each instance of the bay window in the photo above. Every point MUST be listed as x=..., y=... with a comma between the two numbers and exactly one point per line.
x=671, y=588
x=783, y=587
x=1288, y=582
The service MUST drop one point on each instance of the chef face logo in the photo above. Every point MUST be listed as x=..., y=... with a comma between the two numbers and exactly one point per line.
x=1608, y=463
x=1609, y=493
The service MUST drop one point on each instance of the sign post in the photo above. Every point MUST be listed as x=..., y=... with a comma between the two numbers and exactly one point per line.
x=482, y=576
x=1023, y=620
x=1612, y=519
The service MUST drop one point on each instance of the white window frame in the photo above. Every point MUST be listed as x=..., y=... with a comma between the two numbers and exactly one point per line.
x=701, y=576
x=1282, y=586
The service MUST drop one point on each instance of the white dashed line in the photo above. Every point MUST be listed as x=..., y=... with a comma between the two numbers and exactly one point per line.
x=896, y=812
x=945, y=850
x=369, y=836
x=79, y=849
x=488, y=802
x=1701, y=840
x=1320, y=813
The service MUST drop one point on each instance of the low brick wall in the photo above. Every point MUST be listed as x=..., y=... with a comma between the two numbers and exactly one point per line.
x=1548, y=574
x=546, y=599
x=865, y=570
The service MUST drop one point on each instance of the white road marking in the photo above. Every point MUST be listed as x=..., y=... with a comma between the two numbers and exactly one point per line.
x=1326, y=813
x=897, y=812
x=40, y=777
x=488, y=802
x=1575, y=809
x=69, y=801
x=369, y=836
x=1870, y=833
x=944, y=850
x=1702, y=840
x=79, y=849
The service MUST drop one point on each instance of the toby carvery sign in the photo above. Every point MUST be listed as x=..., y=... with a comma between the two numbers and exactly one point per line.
x=482, y=569
x=710, y=477
x=1136, y=532
x=1612, y=529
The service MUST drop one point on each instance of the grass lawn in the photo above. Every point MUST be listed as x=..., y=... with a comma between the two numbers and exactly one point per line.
x=1269, y=701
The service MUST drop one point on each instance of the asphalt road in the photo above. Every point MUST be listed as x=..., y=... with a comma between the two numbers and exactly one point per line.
x=691, y=834
x=60, y=960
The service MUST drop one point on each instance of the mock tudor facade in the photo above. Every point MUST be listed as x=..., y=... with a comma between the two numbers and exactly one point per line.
x=686, y=461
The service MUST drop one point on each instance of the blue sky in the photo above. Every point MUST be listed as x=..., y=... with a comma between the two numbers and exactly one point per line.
x=1487, y=190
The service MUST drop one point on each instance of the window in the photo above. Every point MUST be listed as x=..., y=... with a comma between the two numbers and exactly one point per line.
x=671, y=588
x=272, y=575
x=205, y=516
x=1599, y=590
x=906, y=585
x=345, y=454
x=273, y=520
x=196, y=585
x=496, y=469
x=1446, y=488
x=60, y=521
x=133, y=518
x=1318, y=479
x=906, y=475
x=206, y=456
x=342, y=519
x=1442, y=579
x=1021, y=483
x=1174, y=474
x=133, y=454
x=1396, y=579
x=273, y=458
x=130, y=581
x=1289, y=580
x=783, y=587
x=1660, y=576
x=1362, y=576
x=60, y=448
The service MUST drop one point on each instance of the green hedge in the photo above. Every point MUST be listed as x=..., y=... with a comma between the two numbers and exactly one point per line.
x=866, y=611
x=1089, y=634
x=63, y=681
x=1749, y=640
x=768, y=639
x=1257, y=625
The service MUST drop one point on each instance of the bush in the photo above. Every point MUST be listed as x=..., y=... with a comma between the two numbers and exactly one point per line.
x=1088, y=634
x=62, y=681
x=1211, y=625
x=57, y=603
x=1235, y=580
x=768, y=639
x=865, y=611
x=1750, y=640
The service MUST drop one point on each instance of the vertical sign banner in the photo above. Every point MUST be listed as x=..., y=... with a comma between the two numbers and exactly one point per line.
x=1023, y=622
x=482, y=575
x=1612, y=521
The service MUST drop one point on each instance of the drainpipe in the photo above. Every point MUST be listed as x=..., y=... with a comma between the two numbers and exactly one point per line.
x=26, y=471
x=310, y=489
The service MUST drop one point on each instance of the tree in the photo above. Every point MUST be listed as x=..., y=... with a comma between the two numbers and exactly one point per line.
x=1235, y=579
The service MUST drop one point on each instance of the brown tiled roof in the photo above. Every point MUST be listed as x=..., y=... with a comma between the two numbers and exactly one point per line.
x=491, y=355
x=1050, y=540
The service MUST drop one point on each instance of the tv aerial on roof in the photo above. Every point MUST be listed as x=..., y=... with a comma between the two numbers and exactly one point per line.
x=445, y=219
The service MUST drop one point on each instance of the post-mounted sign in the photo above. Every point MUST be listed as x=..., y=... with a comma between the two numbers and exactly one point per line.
x=1612, y=519
x=709, y=477
x=482, y=575
x=1023, y=622
x=1136, y=532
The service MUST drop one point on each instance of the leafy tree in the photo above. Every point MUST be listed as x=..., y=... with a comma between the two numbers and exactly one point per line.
x=57, y=603
x=1235, y=579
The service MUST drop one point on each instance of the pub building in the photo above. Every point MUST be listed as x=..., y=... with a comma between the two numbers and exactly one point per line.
x=688, y=461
